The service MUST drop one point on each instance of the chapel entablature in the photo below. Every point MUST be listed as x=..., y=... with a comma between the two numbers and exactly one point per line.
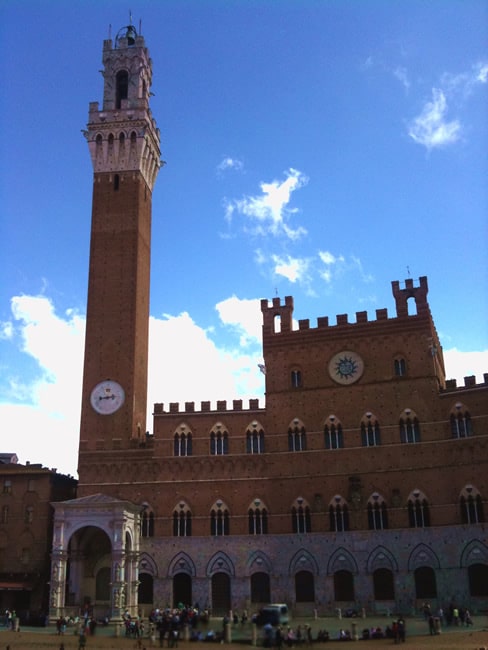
x=205, y=407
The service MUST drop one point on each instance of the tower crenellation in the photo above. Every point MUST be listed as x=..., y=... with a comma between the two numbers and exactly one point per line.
x=278, y=316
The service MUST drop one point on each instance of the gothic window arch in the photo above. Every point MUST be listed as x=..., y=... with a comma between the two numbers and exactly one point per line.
x=183, y=441
x=460, y=419
x=219, y=519
x=377, y=512
x=297, y=436
x=147, y=521
x=370, y=430
x=333, y=436
x=300, y=516
x=409, y=427
x=182, y=520
x=255, y=438
x=400, y=366
x=258, y=518
x=471, y=505
x=418, y=510
x=219, y=440
x=296, y=378
x=338, y=514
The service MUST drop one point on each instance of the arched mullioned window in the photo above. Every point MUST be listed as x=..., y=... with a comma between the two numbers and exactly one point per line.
x=297, y=436
x=471, y=505
x=409, y=427
x=333, y=437
x=400, y=367
x=377, y=512
x=338, y=514
x=255, y=439
x=418, y=510
x=461, y=425
x=182, y=441
x=219, y=519
x=147, y=522
x=219, y=441
x=258, y=518
x=300, y=516
x=370, y=430
x=182, y=520
x=296, y=378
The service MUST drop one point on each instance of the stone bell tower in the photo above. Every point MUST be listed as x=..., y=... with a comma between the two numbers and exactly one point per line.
x=124, y=145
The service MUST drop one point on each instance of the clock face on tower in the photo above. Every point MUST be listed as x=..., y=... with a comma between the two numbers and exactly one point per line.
x=346, y=367
x=107, y=397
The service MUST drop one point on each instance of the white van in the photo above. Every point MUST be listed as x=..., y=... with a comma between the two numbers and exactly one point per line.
x=274, y=614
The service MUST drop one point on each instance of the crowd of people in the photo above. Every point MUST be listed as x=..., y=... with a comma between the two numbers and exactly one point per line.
x=454, y=615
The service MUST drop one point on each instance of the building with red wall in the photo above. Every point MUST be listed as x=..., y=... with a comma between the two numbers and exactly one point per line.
x=361, y=482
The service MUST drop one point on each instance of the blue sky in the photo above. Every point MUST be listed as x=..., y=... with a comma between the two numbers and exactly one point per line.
x=319, y=149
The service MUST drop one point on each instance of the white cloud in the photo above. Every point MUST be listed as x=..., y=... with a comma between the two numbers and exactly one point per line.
x=6, y=330
x=460, y=364
x=294, y=269
x=328, y=258
x=464, y=83
x=329, y=261
x=365, y=277
x=401, y=74
x=230, y=163
x=481, y=72
x=268, y=212
x=40, y=413
x=244, y=316
x=431, y=128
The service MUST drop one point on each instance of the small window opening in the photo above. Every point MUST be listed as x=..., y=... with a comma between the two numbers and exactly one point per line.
x=116, y=182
